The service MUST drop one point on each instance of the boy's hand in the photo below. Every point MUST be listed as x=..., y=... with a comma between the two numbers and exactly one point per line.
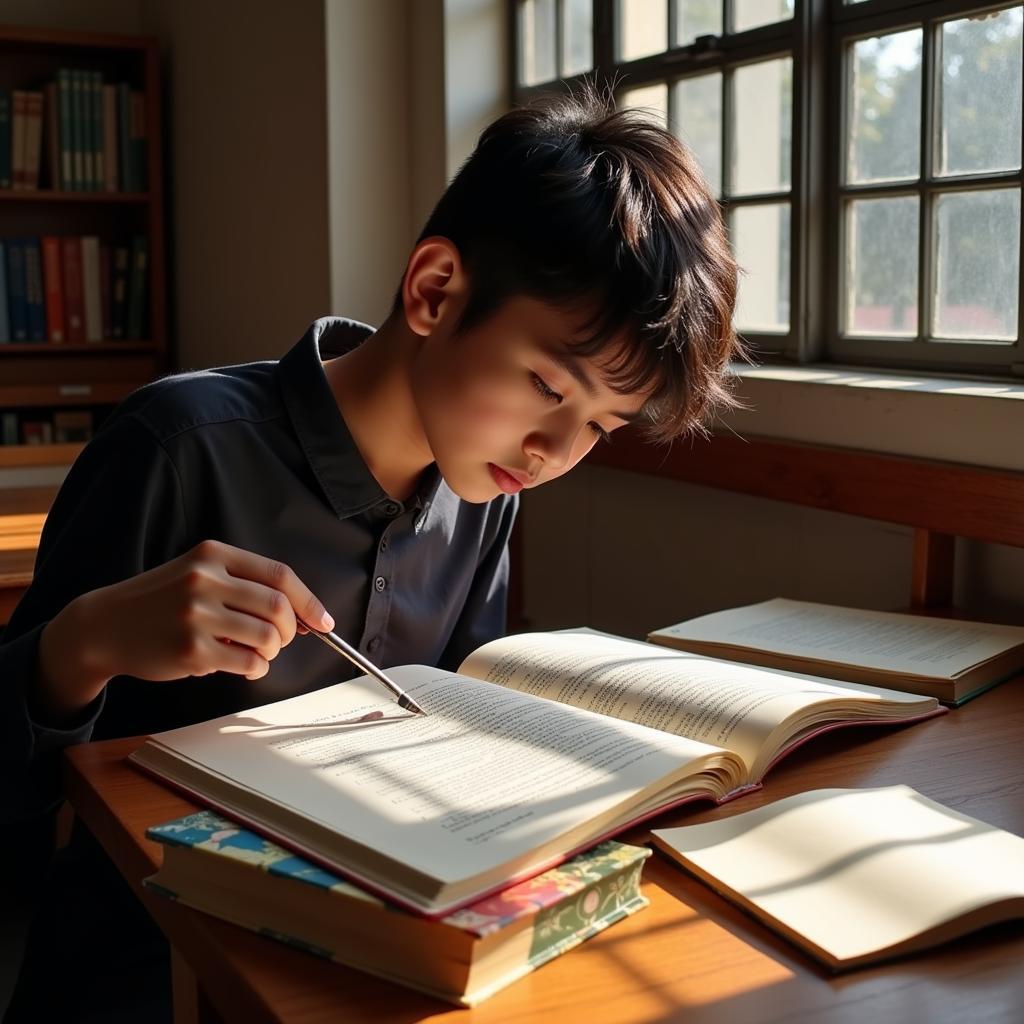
x=216, y=608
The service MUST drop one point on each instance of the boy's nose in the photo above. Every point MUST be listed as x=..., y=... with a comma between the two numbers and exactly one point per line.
x=553, y=448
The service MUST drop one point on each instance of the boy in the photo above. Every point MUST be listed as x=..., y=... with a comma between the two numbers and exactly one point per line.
x=574, y=277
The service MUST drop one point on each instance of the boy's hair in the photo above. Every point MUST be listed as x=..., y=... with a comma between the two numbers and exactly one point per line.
x=583, y=206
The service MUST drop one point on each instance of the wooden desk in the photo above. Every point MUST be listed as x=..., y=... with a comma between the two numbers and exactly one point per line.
x=689, y=957
x=22, y=514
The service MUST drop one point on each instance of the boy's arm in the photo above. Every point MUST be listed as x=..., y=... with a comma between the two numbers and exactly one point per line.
x=485, y=612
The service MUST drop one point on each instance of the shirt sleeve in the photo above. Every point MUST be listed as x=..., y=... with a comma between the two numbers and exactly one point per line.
x=118, y=513
x=484, y=615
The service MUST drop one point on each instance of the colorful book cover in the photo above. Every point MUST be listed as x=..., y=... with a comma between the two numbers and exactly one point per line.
x=6, y=129
x=567, y=904
x=54, y=289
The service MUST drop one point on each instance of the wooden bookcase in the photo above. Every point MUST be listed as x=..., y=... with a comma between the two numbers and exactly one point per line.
x=93, y=375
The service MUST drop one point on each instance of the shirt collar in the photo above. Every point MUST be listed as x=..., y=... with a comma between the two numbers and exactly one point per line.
x=332, y=454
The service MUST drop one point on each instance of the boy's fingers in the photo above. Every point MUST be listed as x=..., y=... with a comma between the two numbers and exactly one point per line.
x=238, y=660
x=278, y=575
x=256, y=633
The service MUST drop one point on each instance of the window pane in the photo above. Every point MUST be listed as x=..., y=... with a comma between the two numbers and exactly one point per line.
x=577, y=36
x=760, y=239
x=762, y=125
x=698, y=117
x=978, y=256
x=752, y=13
x=884, y=108
x=980, y=102
x=697, y=18
x=537, y=35
x=643, y=28
x=652, y=99
x=881, y=266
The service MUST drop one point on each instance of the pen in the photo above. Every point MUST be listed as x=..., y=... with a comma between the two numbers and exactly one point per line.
x=347, y=651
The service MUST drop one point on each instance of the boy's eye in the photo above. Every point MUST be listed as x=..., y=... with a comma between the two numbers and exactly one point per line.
x=543, y=389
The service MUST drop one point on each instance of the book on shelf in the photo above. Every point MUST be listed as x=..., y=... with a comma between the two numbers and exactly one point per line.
x=74, y=289
x=854, y=876
x=5, y=320
x=72, y=426
x=214, y=865
x=951, y=659
x=541, y=746
x=74, y=133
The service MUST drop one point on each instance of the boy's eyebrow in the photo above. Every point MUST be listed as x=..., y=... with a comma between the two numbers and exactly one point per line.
x=573, y=365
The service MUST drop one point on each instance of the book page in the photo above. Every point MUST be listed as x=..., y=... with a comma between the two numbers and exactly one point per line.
x=727, y=705
x=855, y=871
x=486, y=776
x=887, y=641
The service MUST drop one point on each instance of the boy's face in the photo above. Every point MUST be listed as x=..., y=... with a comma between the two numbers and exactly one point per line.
x=506, y=405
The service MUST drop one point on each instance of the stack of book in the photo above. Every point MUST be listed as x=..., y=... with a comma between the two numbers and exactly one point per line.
x=72, y=288
x=76, y=134
x=64, y=426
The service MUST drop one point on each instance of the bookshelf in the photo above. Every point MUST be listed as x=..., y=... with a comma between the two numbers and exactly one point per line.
x=38, y=378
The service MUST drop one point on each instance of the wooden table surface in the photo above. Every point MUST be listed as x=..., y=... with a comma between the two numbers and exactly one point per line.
x=22, y=514
x=689, y=957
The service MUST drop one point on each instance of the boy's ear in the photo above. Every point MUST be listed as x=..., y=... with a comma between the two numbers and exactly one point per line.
x=434, y=284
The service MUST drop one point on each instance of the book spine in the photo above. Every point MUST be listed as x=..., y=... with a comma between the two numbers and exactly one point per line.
x=33, y=139
x=138, y=111
x=119, y=293
x=74, y=308
x=5, y=321
x=96, y=109
x=105, y=290
x=16, y=290
x=91, y=288
x=18, y=115
x=6, y=131
x=124, y=128
x=54, y=289
x=88, y=142
x=10, y=430
x=67, y=154
x=34, y=290
x=110, y=162
x=137, y=287
x=51, y=135
x=79, y=179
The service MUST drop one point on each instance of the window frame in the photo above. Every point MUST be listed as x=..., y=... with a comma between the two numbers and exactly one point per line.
x=815, y=38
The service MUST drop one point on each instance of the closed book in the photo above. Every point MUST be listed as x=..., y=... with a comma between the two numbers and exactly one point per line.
x=96, y=125
x=110, y=161
x=91, y=288
x=5, y=138
x=64, y=113
x=138, y=140
x=78, y=130
x=105, y=291
x=54, y=289
x=214, y=865
x=16, y=297
x=51, y=136
x=33, y=139
x=5, y=316
x=72, y=426
x=19, y=123
x=124, y=129
x=138, y=280
x=34, y=295
x=119, y=293
x=36, y=432
x=10, y=431
x=74, y=303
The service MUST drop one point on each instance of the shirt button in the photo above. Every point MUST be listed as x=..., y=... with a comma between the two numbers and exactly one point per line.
x=383, y=543
x=379, y=584
x=373, y=644
x=392, y=508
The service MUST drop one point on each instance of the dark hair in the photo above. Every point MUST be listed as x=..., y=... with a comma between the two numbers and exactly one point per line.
x=580, y=205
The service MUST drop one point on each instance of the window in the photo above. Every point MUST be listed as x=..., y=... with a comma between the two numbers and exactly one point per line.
x=867, y=155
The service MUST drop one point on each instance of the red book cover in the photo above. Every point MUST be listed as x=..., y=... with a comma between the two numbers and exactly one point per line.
x=74, y=302
x=105, y=290
x=53, y=289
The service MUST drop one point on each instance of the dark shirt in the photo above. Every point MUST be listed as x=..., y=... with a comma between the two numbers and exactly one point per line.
x=257, y=456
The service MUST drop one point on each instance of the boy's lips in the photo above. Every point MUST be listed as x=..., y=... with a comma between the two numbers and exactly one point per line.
x=510, y=483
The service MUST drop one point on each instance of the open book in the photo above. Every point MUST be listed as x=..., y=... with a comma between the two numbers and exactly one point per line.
x=541, y=746
x=952, y=659
x=858, y=875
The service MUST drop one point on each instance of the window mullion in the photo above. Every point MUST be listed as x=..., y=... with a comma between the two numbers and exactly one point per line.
x=926, y=265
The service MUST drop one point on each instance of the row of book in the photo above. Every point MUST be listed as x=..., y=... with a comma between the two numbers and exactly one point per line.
x=72, y=288
x=76, y=134
x=64, y=426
